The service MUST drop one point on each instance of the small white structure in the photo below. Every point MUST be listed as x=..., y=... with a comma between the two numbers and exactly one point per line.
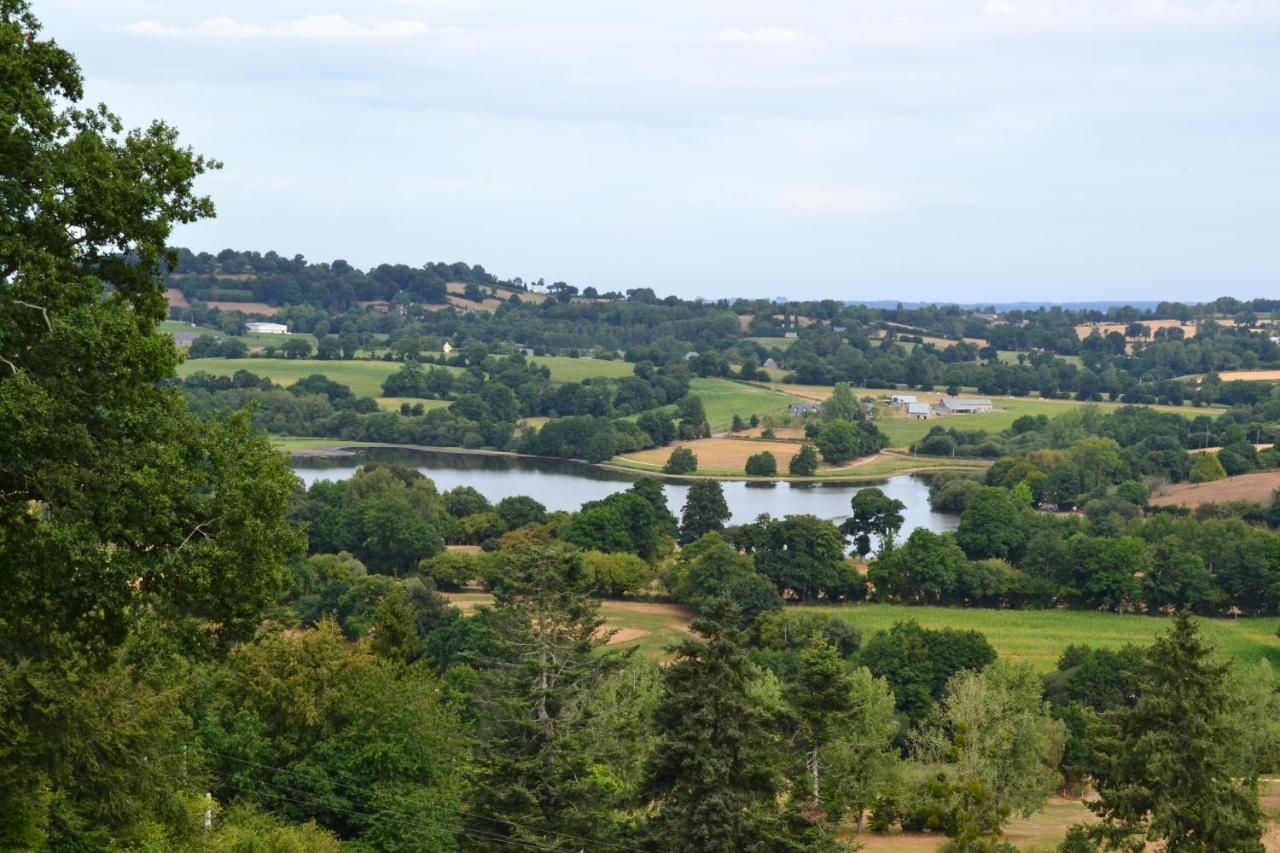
x=964, y=405
x=267, y=328
x=919, y=411
x=903, y=399
x=447, y=348
x=770, y=364
x=806, y=409
x=691, y=355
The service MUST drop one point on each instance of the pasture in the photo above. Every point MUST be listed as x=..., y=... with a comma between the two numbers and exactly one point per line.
x=362, y=377
x=724, y=398
x=565, y=369
x=1039, y=637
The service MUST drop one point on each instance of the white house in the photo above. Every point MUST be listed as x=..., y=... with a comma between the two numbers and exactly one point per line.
x=919, y=411
x=447, y=348
x=267, y=328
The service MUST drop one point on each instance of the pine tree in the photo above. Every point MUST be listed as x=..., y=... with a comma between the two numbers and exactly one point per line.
x=1162, y=767
x=541, y=665
x=705, y=511
x=714, y=775
x=820, y=697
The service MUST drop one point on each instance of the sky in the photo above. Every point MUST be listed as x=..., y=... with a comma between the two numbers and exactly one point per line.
x=949, y=150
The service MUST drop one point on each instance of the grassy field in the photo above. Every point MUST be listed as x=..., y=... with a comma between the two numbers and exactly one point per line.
x=565, y=369
x=1039, y=636
x=286, y=444
x=363, y=377
x=392, y=404
x=724, y=398
x=769, y=343
x=727, y=457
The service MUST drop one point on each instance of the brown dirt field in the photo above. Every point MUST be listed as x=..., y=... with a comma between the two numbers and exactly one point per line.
x=1084, y=329
x=1246, y=487
x=720, y=454
x=943, y=343
x=463, y=549
x=744, y=321
x=175, y=298
x=489, y=304
x=653, y=607
x=625, y=635
x=1254, y=375
x=247, y=307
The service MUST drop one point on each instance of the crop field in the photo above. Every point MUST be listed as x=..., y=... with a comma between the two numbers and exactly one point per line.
x=1246, y=487
x=1189, y=329
x=392, y=404
x=1250, y=375
x=565, y=369
x=1038, y=637
x=363, y=377
x=719, y=455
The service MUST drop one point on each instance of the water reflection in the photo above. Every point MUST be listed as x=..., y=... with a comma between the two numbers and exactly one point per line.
x=564, y=485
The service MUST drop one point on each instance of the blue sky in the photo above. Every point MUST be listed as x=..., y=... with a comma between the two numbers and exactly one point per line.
x=966, y=150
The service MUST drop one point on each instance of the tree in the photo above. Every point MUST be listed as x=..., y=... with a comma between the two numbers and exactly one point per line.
x=804, y=463
x=838, y=441
x=804, y=555
x=995, y=729
x=1162, y=767
x=616, y=574
x=992, y=525
x=762, y=465
x=715, y=772
x=820, y=697
x=297, y=347
x=918, y=662
x=117, y=506
x=541, y=663
x=925, y=569
x=842, y=405
x=396, y=537
x=1206, y=469
x=311, y=715
x=520, y=511
x=693, y=416
x=705, y=511
x=862, y=759
x=874, y=514
x=681, y=461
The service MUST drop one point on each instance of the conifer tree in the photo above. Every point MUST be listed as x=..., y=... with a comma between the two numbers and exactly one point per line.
x=705, y=511
x=1162, y=767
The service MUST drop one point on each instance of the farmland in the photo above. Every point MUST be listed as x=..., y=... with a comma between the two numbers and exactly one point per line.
x=1246, y=487
x=565, y=369
x=727, y=457
x=1038, y=637
x=724, y=398
x=362, y=377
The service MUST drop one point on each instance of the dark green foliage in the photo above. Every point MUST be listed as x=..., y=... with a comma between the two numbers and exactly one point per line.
x=762, y=465
x=918, y=662
x=874, y=514
x=705, y=511
x=681, y=461
x=520, y=511
x=1161, y=765
x=715, y=773
x=991, y=525
x=804, y=557
x=804, y=463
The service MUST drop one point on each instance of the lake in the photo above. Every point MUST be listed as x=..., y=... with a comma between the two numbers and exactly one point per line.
x=564, y=485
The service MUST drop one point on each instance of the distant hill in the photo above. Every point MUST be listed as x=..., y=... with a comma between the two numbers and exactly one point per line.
x=1013, y=306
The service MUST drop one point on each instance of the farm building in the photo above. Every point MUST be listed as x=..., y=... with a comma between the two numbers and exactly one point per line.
x=964, y=405
x=806, y=409
x=769, y=364
x=447, y=348
x=266, y=328
x=919, y=411
x=903, y=399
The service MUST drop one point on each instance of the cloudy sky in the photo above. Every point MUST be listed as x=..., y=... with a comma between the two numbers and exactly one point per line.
x=860, y=149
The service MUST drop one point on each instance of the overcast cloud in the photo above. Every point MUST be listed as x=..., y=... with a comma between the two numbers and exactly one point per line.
x=883, y=149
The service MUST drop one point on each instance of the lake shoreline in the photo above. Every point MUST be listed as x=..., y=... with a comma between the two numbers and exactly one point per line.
x=342, y=449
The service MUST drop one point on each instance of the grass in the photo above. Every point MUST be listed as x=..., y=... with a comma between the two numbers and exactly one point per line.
x=726, y=457
x=565, y=369
x=1038, y=637
x=363, y=377
x=769, y=343
x=392, y=404
x=724, y=398
x=287, y=444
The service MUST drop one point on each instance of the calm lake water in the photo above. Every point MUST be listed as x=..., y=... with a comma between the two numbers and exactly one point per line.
x=563, y=485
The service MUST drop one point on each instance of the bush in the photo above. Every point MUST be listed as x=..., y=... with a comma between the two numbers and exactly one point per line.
x=1206, y=469
x=452, y=570
x=804, y=463
x=616, y=574
x=682, y=461
x=762, y=465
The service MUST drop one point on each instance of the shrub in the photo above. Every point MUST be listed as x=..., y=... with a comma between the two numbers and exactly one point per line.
x=762, y=465
x=682, y=461
x=1206, y=469
x=804, y=463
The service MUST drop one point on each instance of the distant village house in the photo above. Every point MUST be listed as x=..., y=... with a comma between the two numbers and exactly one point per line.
x=964, y=405
x=267, y=328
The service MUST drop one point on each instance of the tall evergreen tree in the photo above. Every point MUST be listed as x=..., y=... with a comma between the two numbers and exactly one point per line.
x=705, y=511
x=715, y=772
x=820, y=697
x=1162, y=767
x=532, y=696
